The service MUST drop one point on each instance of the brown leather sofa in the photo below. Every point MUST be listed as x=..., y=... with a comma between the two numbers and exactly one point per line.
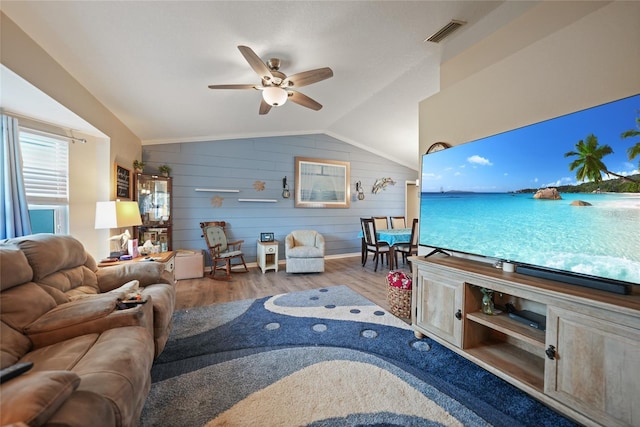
x=91, y=360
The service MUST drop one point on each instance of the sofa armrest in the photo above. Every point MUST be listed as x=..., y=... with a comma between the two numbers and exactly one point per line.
x=34, y=397
x=147, y=273
x=86, y=316
x=289, y=242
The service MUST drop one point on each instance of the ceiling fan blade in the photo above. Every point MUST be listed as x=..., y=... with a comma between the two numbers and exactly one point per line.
x=264, y=107
x=232, y=86
x=308, y=77
x=256, y=63
x=304, y=100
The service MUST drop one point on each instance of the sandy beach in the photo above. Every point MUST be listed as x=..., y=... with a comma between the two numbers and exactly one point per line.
x=627, y=201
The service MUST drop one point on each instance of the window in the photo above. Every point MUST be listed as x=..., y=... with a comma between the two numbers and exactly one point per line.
x=42, y=219
x=45, y=166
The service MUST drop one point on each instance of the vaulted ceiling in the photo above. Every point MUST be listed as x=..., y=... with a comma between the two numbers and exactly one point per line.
x=150, y=63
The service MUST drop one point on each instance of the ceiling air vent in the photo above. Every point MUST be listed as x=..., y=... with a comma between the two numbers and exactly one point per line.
x=443, y=32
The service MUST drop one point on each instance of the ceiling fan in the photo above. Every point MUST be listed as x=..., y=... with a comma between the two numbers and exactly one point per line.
x=276, y=87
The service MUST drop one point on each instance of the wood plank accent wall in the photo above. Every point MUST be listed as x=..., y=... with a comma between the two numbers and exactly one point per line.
x=237, y=164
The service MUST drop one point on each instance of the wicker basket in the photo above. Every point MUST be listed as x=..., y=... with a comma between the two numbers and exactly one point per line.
x=399, y=300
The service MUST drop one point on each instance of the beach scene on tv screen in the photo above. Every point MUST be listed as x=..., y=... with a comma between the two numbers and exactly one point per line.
x=562, y=194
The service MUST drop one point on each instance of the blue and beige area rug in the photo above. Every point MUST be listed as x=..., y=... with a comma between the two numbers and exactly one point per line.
x=325, y=357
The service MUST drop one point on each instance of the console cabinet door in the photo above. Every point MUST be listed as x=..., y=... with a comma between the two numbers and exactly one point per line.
x=596, y=369
x=438, y=305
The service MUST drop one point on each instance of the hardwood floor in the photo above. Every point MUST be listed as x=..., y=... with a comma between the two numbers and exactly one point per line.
x=338, y=271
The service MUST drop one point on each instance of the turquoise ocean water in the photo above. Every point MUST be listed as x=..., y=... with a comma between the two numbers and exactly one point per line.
x=599, y=240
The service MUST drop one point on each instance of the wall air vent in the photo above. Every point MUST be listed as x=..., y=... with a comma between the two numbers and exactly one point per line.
x=443, y=32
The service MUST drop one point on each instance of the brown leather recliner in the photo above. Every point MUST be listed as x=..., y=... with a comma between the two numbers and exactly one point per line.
x=91, y=361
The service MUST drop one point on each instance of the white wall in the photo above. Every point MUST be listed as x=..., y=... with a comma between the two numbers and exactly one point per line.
x=88, y=165
x=91, y=165
x=588, y=62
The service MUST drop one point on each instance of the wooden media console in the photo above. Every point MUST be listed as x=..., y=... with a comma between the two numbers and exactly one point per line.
x=585, y=364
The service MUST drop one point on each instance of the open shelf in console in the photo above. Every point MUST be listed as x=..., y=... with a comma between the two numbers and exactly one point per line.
x=513, y=361
x=507, y=326
x=503, y=343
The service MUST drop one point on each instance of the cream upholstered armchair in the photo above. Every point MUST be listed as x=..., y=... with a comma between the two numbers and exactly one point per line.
x=304, y=250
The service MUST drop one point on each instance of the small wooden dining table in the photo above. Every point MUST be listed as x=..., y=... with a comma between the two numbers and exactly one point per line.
x=392, y=236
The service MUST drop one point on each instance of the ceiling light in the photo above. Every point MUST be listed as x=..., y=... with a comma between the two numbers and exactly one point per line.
x=274, y=96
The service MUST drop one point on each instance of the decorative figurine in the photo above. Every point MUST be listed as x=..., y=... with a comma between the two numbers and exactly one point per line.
x=487, y=301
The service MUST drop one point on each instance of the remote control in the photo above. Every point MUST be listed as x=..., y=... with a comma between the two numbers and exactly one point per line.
x=123, y=305
x=14, y=370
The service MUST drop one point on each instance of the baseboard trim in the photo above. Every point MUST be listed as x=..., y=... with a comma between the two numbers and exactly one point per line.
x=207, y=269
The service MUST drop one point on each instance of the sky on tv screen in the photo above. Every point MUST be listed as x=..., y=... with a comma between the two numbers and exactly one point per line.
x=533, y=156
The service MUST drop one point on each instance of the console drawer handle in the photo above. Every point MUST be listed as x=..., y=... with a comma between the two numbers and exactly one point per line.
x=459, y=314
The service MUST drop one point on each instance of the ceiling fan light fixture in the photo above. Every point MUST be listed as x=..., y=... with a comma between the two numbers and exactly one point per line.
x=276, y=87
x=274, y=96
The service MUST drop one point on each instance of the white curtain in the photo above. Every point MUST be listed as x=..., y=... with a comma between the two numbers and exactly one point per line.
x=14, y=211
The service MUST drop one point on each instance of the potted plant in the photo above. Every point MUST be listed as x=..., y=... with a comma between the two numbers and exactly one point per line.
x=138, y=166
x=165, y=170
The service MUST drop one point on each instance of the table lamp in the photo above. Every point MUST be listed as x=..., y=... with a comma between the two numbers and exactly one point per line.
x=117, y=214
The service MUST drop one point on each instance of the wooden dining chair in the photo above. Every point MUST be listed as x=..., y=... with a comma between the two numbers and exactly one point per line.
x=381, y=222
x=408, y=249
x=398, y=222
x=379, y=249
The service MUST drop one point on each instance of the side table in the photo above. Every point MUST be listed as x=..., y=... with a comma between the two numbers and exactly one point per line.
x=167, y=258
x=268, y=255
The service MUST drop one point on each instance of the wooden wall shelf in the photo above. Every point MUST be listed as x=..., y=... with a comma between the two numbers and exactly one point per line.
x=217, y=190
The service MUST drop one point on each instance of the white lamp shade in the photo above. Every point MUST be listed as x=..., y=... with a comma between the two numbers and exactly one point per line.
x=274, y=96
x=117, y=214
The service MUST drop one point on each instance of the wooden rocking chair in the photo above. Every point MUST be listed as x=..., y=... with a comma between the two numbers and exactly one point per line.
x=222, y=251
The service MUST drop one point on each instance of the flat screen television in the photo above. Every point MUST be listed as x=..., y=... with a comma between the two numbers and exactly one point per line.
x=487, y=198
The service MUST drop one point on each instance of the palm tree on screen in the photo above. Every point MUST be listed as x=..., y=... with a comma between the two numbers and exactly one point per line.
x=589, y=165
x=634, y=150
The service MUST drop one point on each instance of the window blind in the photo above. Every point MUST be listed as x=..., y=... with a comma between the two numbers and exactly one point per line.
x=45, y=165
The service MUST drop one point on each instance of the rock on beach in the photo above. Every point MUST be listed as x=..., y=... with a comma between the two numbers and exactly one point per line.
x=548, y=194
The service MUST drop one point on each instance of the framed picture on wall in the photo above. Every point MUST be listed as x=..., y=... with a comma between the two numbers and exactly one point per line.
x=123, y=182
x=322, y=183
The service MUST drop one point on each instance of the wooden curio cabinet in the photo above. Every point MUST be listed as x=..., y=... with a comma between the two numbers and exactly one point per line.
x=153, y=194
